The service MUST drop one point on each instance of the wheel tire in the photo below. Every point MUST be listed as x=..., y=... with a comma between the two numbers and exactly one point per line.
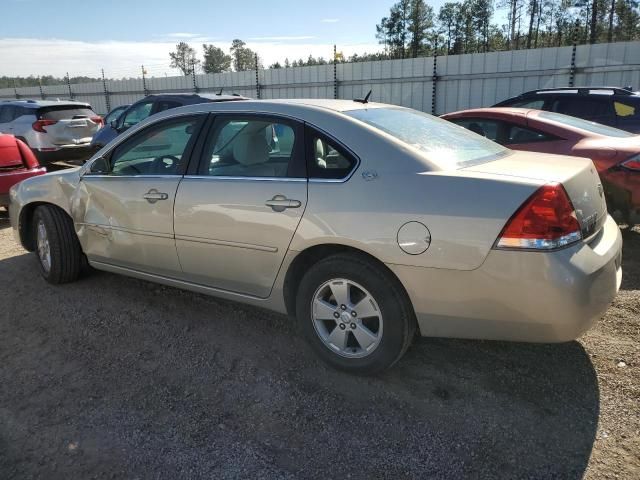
x=398, y=318
x=65, y=253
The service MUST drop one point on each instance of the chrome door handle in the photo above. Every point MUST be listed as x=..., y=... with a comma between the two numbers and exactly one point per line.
x=280, y=203
x=152, y=196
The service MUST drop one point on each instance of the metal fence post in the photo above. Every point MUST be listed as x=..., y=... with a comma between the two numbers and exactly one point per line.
x=257, y=80
x=335, y=73
x=15, y=90
x=144, y=82
x=572, y=69
x=106, y=93
x=69, y=86
x=41, y=89
x=434, y=79
x=193, y=73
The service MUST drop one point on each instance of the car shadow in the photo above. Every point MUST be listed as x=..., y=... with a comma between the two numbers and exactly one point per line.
x=4, y=219
x=630, y=258
x=115, y=361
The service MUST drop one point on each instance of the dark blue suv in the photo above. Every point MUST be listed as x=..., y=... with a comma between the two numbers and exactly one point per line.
x=613, y=106
x=150, y=105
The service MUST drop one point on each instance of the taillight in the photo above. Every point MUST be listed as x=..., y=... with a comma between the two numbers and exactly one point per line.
x=632, y=164
x=39, y=125
x=97, y=119
x=547, y=220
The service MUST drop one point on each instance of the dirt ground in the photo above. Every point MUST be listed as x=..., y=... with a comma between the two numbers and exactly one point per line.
x=112, y=377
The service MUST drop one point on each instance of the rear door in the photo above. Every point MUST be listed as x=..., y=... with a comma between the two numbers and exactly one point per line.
x=123, y=210
x=236, y=213
x=69, y=124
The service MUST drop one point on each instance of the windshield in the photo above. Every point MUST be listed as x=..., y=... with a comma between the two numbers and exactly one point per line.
x=442, y=142
x=591, y=127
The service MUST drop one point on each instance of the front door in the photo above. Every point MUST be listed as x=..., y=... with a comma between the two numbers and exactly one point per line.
x=123, y=209
x=236, y=215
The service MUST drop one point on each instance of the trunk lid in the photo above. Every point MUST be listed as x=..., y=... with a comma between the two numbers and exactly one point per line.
x=578, y=176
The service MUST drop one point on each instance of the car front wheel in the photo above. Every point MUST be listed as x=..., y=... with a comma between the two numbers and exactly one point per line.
x=56, y=245
x=354, y=314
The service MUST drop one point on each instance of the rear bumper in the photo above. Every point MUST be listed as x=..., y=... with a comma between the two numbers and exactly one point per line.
x=520, y=296
x=72, y=152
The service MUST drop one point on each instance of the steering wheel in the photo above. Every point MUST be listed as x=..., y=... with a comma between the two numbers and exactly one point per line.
x=160, y=166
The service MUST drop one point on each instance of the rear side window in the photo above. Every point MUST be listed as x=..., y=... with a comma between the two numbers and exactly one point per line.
x=627, y=109
x=64, y=113
x=516, y=134
x=326, y=159
x=583, y=107
x=487, y=128
x=6, y=113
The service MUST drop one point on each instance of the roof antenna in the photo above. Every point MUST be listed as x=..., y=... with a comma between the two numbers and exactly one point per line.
x=365, y=99
x=220, y=92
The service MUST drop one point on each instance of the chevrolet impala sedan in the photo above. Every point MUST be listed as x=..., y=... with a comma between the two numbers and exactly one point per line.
x=366, y=222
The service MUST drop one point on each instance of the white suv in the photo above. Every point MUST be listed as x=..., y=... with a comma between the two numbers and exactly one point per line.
x=54, y=130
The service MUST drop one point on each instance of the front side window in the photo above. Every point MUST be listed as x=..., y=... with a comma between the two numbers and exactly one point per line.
x=250, y=147
x=487, y=128
x=158, y=150
x=442, y=143
x=515, y=134
x=136, y=114
x=162, y=105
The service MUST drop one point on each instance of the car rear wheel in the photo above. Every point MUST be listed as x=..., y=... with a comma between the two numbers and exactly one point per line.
x=354, y=314
x=57, y=248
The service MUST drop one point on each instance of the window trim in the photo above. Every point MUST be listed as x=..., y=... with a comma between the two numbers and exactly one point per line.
x=189, y=149
x=212, y=128
x=124, y=114
x=312, y=131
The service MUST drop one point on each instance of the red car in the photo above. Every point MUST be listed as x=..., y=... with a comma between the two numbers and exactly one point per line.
x=17, y=162
x=615, y=153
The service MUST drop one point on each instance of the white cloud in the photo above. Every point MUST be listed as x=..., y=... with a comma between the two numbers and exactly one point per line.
x=281, y=38
x=330, y=20
x=28, y=56
x=181, y=35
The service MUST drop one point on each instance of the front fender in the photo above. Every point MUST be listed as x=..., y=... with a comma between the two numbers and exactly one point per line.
x=54, y=188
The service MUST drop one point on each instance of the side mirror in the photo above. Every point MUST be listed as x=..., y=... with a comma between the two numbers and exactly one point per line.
x=99, y=166
x=114, y=124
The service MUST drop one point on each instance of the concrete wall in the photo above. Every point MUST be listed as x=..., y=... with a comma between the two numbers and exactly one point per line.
x=463, y=81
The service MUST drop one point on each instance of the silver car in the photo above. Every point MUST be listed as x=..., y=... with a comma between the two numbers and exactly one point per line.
x=54, y=130
x=367, y=222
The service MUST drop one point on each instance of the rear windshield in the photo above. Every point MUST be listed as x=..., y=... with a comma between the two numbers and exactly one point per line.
x=586, y=125
x=64, y=112
x=442, y=142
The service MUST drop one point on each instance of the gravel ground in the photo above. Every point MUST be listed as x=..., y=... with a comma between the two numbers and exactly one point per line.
x=112, y=377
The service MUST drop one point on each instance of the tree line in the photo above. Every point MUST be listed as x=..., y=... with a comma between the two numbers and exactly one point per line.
x=412, y=28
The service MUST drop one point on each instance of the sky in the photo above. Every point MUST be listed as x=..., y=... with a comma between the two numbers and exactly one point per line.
x=53, y=37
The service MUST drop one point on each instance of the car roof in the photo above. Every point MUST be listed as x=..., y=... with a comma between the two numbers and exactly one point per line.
x=189, y=96
x=44, y=103
x=492, y=112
